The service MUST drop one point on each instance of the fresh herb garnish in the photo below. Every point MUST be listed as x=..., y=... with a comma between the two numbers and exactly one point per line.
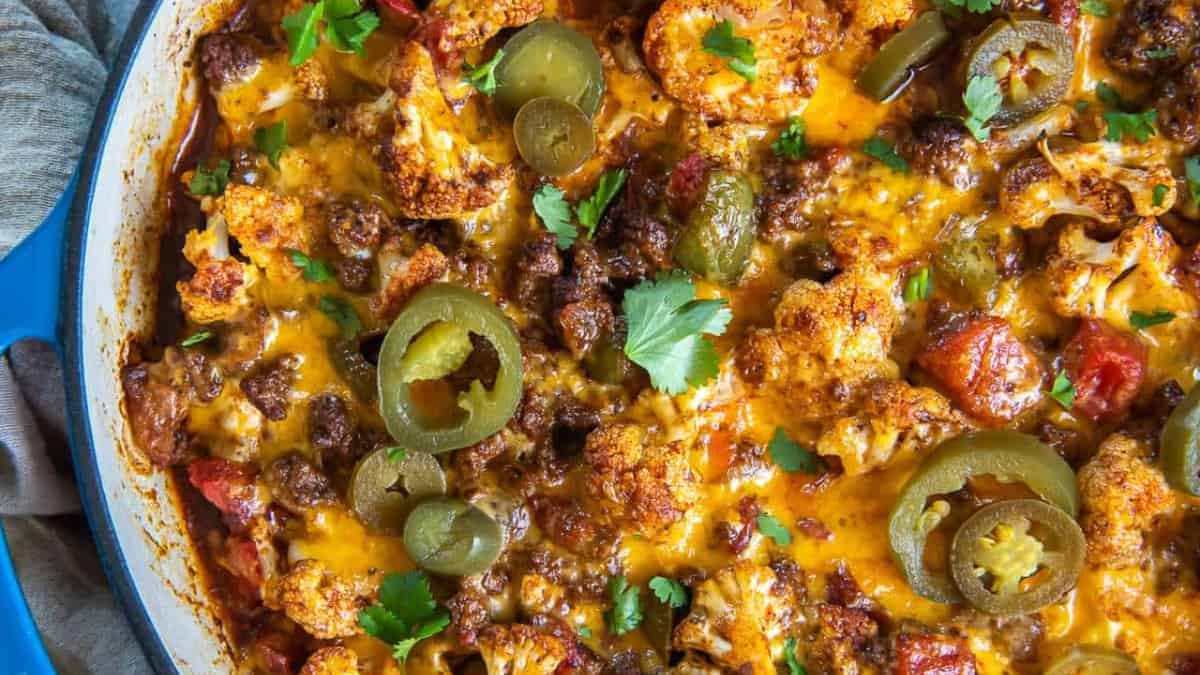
x=396, y=453
x=584, y=631
x=982, y=99
x=196, y=338
x=342, y=313
x=1081, y=106
x=976, y=6
x=1160, y=53
x=668, y=591
x=1062, y=390
x=589, y=210
x=1109, y=96
x=555, y=212
x=772, y=528
x=667, y=325
x=880, y=150
x=1096, y=8
x=789, y=653
x=483, y=76
x=1142, y=320
x=917, y=287
x=791, y=457
x=272, y=141
x=738, y=52
x=314, y=269
x=405, y=615
x=1122, y=124
x=626, y=612
x=1191, y=172
x=1160, y=194
x=791, y=142
x=210, y=181
x=347, y=26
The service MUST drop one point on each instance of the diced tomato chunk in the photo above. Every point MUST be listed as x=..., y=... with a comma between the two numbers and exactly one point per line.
x=229, y=486
x=433, y=36
x=687, y=178
x=241, y=559
x=985, y=367
x=1107, y=367
x=918, y=654
x=402, y=9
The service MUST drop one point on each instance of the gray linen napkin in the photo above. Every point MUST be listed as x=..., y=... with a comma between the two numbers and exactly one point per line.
x=54, y=56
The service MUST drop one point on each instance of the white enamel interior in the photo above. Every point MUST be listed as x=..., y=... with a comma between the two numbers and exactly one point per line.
x=125, y=214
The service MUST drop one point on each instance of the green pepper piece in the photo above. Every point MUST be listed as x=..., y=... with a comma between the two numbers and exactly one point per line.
x=892, y=66
x=718, y=236
x=553, y=136
x=449, y=536
x=350, y=364
x=547, y=58
x=1008, y=456
x=997, y=540
x=1093, y=660
x=659, y=622
x=480, y=412
x=383, y=490
x=1181, y=445
x=1032, y=58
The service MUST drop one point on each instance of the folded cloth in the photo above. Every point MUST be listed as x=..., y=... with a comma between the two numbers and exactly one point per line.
x=54, y=57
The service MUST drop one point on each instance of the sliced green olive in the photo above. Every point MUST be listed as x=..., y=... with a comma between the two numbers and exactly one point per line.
x=1032, y=58
x=449, y=536
x=420, y=349
x=553, y=136
x=548, y=59
x=1008, y=456
x=718, y=236
x=1093, y=660
x=383, y=490
x=1017, y=556
x=1181, y=445
x=892, y=66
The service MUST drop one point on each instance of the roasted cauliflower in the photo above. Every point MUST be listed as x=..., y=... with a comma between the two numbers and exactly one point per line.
x=1103, y=180
x=331, y=661
x=827, y=340
x=1120, y=494
x=894, y=418
x=518, y=649
x=266, y=225
x=402, y=275
x=785, y=39
x=463, y=24
x=324, y=603
x=247, y=78
x=431, y=167
x=638, y=479
x=219, y=289
x=740, y=618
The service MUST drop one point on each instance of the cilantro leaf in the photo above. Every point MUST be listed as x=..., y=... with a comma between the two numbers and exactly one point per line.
x=770, y=526
x=976, y=6
x=342, y=313
x=210, y=181
x=401, y=649
x=666, y=325
x=791, y=143
x=302, y=30
x=272, y=141
x=483, y=76
x=668, y=591
x=314, y=269
x=1081, y=106
x=791, y=457
x=1109, y=96
x=793, y=664
x=1191, y=171
x=1097, y=8
x=196, y=338
x=381, y=624
x=1160, y=194
x=349, y=33
x=549, y=205
x=982, y=99
x=406, y=613
x=626, y=612
x=917, y=287
x=738, y=52
x=589, y=210
x=1142, y=320
x=1160, y=53
x=880, y=150
x=396, y=453
x=408, y=596
x=584, y=631
x=1122, y=124
x=1062, y=390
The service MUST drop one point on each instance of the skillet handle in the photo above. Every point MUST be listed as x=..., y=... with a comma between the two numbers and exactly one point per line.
x=31, y=279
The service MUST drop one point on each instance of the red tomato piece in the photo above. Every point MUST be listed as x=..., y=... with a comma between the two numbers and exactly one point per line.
x=242, y=560
x=984, y=367
x=228, y=485
x=918, y=654
x=400, y=8
x=1107, y=367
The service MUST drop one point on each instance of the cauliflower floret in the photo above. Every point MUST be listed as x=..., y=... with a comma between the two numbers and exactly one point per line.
x=331, y=661
x=785, y=38
x=247, y=78
x=323, y=602
x=1120, y=494
x=695, y=664
x=470, y=23
x=641, y=482
x=867, y=16
x=828, y=339
x=518, y=649
x=433, y=170
x=894, y=418
x=218, y=291
x=402, y=275
x=266, y=226
x=1107, y=280
x=1102, y=180
x=740, y=618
